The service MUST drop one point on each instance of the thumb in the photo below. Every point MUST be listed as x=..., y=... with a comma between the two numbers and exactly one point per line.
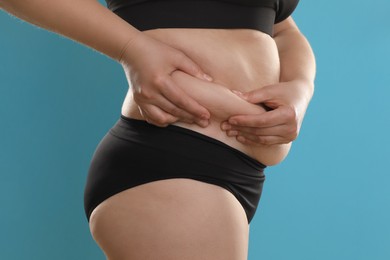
x=266, y=96
x=191, y=68
x=257, y=96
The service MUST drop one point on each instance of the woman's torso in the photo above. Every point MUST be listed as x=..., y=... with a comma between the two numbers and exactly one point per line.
x=240, y=59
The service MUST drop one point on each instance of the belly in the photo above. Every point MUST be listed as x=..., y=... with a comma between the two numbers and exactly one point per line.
x=243, y=60
x=237, y=59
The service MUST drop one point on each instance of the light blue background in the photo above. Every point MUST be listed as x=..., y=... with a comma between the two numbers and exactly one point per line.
x=328, y=200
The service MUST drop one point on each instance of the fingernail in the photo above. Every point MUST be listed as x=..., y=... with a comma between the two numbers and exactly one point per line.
x=232, y=133
x=226, y=126
x=240, y=138
x=203, y=123
x=204, y=117
x=233, y=122
x=207, y=77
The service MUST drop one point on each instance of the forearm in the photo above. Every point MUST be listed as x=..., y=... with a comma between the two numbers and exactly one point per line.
x=84, y=21
x=297, y=59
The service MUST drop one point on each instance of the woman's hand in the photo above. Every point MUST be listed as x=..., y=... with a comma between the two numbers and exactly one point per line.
x=287, y=103
x=148, y=64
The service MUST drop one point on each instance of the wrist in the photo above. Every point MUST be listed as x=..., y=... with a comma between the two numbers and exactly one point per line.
x=125, y=55
x=304, y=86
x=305, y=90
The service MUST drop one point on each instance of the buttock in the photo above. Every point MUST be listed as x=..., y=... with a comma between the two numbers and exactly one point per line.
x=134, y=152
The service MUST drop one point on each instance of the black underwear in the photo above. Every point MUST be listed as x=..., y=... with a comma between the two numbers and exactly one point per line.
x=135, y=152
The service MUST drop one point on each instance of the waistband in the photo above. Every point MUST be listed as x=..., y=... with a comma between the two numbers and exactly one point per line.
x=195, y=14
x=191, y=141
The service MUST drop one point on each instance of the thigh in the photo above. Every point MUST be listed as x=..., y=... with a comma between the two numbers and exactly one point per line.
x=171, y=219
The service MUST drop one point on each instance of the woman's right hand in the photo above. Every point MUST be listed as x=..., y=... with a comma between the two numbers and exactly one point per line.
x=148, y=64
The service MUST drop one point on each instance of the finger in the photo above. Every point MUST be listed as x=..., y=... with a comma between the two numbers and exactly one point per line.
x=153, y=110
x=267, y=119
x=156, y=116
x=187, y=65
x=259, y=95
x=149, y=105
x=170, y=108
x=280, y=130
x=184, y=116
x=261, y=140
x=178, y=97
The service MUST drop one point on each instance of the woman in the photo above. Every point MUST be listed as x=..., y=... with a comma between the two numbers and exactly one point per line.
x=217, y=92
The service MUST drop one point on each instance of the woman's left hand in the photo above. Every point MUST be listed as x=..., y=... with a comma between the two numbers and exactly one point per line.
x=287, y=103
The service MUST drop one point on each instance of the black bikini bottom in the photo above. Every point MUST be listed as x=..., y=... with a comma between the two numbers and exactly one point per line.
x=135, y=152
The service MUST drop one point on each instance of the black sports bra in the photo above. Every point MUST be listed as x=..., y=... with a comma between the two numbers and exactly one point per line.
x=219, y=14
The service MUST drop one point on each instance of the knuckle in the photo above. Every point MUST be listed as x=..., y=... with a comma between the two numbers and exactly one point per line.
x=160, y=121
x=292, y=130
x=174, y=111
x=257, y=132
x=262, y=140
x=289, y=137
x=291, y=114
x=294, y=133
x=163, y=120
x=142, y=93
x=260, y=121
x=158, y=80
x=156, y=122
x=145, y=94
x=183, y=102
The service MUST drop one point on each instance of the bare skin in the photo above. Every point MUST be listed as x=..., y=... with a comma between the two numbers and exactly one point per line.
x=240, y=60
x=178, y=218
x=288, y=99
